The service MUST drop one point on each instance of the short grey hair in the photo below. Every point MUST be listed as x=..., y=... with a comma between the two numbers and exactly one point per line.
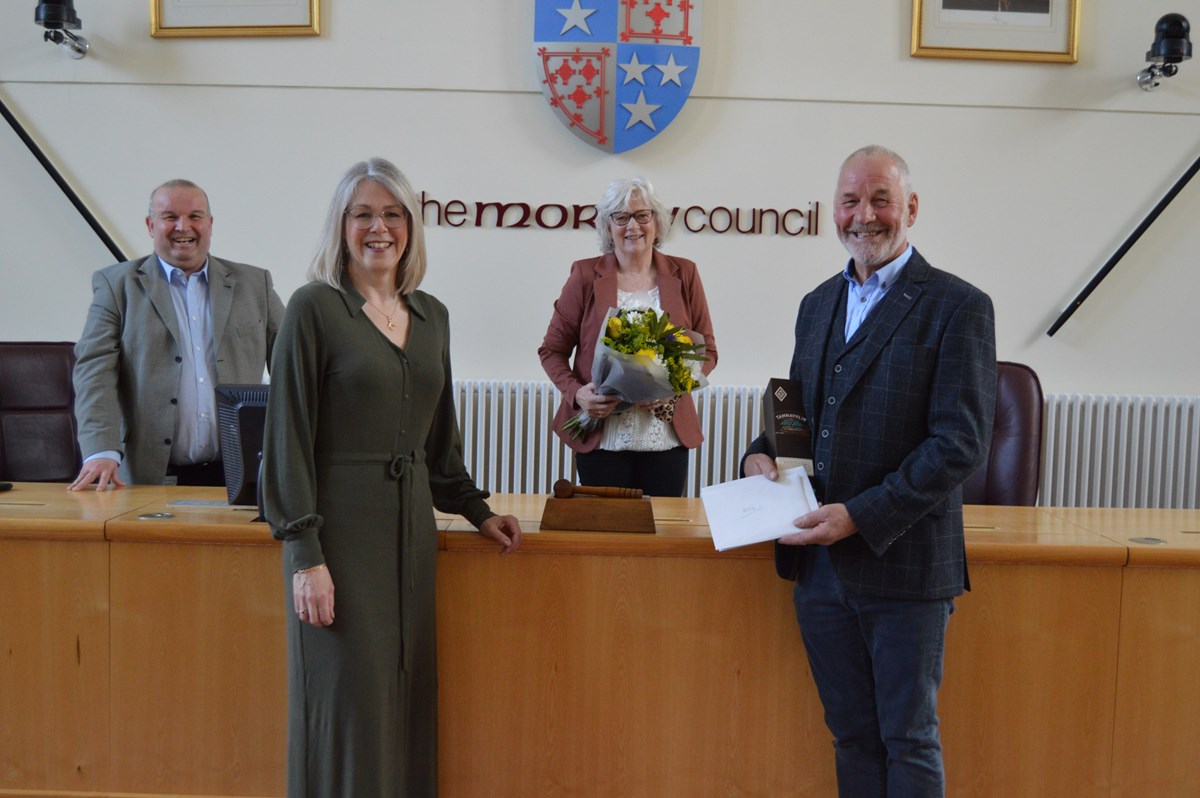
x=876, y=151
x=618, y=197
x=178, y=182
x=333, y=256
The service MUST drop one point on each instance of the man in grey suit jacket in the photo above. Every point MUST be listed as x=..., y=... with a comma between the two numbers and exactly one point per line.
x=897, y=366
x=161, y=332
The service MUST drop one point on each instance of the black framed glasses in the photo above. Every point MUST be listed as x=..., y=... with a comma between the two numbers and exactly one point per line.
x=621, y=218
x=363, y=218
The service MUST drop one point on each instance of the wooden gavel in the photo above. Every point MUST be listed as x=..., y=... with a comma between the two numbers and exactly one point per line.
x=565, y=489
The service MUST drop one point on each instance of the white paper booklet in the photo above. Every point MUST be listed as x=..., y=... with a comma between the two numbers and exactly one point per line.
x=755, y=509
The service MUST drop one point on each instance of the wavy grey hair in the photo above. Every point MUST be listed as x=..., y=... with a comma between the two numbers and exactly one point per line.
x=333, y=255
x=618, y=197
x=876, y=151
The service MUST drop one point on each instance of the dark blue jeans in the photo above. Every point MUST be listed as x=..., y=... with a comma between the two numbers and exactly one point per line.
x=877, y=664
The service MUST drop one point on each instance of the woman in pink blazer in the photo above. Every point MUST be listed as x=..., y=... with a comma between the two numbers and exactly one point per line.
x=636, y=448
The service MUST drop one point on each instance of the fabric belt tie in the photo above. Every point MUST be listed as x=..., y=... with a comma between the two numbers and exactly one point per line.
x=399, y=468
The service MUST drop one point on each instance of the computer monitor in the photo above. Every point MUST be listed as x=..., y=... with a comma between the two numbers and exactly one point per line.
x=241, y=413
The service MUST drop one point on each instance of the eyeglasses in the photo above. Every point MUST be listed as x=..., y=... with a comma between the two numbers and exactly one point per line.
x=363, y=218
x=621, y=218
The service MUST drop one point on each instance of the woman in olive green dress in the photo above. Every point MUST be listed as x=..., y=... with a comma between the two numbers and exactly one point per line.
x=361, y=445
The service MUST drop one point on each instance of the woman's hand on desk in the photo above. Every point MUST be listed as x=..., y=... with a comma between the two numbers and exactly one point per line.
x=312, y=595
x=505, y=530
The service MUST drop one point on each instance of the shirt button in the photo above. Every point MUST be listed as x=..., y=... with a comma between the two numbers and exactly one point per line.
x=174, y=401
x=178, y=359
x=862, y=299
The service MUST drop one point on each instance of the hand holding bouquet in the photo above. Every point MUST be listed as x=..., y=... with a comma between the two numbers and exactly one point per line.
x=641, y=357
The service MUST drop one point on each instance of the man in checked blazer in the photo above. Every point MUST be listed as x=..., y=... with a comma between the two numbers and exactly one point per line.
x=897, y=366
x=161, y=332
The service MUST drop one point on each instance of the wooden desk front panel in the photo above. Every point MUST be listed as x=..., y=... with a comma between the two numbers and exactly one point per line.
x=1030, y=674
x=198, y=669
x=54, y=664
x=608, y=676
x=1156, y=747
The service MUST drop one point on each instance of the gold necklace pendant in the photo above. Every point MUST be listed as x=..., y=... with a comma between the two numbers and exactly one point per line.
x=391, y=324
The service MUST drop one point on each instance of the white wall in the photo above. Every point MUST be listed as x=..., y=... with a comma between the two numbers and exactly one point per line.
x=1030, y=175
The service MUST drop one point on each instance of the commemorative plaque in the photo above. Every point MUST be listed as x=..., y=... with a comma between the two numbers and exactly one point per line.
x=787, y=425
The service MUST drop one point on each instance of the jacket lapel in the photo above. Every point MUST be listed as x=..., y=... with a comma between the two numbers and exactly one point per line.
x=221, y=282
x=604, y=289
x=877, y=330
x=153, y=281
x=670, y=290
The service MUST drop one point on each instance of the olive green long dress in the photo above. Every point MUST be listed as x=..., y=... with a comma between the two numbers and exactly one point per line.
x=361, y=444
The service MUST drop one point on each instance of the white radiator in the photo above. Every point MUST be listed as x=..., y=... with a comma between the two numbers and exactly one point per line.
x=1121, y=451
x=1097, y=451
x=508, y=445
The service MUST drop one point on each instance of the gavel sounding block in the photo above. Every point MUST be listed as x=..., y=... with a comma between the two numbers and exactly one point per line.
x=591, y=514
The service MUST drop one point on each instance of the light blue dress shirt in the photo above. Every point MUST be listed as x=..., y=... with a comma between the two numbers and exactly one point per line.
x=195, y=438
x=862, y=299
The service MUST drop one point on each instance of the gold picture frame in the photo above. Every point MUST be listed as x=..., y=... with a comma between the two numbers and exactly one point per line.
x=997, y=30
x=208, y=18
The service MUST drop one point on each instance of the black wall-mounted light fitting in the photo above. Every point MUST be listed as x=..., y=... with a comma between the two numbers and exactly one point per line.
x=1171, y=47
x=58, y=17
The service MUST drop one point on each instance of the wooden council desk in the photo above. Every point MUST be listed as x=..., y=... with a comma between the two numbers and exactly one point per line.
x=146, y=656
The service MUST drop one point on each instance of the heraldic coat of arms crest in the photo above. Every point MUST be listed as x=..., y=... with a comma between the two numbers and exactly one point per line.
x=616, y=72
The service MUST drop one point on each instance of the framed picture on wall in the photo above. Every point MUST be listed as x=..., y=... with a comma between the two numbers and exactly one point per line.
x=997, y=30
x=185, y=18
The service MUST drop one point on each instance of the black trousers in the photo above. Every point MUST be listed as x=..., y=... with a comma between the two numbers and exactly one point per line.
x=200, y=474
x=656, y=473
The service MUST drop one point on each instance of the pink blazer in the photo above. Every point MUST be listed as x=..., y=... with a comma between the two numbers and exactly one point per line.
x=587, y=296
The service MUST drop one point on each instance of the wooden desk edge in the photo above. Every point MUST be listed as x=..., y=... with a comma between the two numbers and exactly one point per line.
x=616, y=544
x=51, y=529
x=179, y=530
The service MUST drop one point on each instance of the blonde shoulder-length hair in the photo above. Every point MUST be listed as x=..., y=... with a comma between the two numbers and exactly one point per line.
x=333, y=255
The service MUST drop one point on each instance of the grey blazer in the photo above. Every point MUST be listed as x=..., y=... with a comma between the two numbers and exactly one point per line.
x=910, y=423
x=128, y=361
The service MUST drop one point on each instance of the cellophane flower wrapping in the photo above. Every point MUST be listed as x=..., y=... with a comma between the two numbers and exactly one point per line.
x=642, y=357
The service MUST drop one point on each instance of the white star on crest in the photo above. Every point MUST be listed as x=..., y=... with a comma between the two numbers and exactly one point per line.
x=640, y=112
x=634, y=70
x=576, y=17
x=670, y=71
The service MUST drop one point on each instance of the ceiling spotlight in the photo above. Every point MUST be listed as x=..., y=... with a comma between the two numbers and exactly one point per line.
x=1171, y=47
x=58, y=17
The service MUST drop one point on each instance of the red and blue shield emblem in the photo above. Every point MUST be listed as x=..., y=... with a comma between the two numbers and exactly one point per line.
x=616, y=72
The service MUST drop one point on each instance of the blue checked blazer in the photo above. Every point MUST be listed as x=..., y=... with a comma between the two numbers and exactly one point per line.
x=910, y=420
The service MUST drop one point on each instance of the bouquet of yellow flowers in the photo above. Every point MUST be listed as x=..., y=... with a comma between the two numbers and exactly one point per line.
x=642, y=357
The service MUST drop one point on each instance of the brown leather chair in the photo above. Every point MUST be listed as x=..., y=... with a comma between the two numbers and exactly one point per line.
x=1012, y=471
x=37, y=412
